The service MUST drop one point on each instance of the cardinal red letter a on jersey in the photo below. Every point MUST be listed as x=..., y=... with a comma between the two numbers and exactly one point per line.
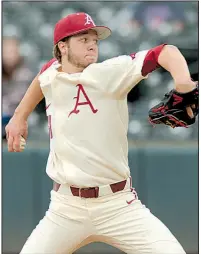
x=79, y=103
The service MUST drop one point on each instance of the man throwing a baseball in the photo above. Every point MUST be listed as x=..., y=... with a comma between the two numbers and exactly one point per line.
x=93, y=199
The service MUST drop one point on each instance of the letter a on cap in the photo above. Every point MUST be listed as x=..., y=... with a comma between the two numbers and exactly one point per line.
x=89, y=20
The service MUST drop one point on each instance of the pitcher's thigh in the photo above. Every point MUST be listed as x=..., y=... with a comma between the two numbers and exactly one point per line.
x=152, y=237
x=137, y=231
x=159, y=238
x=54, y=234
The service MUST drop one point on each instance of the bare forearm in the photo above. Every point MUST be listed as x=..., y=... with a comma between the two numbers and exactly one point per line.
x=173, y=61
x=30, y=100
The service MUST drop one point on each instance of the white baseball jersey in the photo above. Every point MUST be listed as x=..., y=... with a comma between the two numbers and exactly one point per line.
x=88, y=118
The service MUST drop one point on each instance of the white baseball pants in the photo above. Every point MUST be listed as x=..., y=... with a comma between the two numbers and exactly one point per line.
x=72, y=222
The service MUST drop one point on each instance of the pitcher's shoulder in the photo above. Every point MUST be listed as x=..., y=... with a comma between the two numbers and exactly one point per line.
x=117, y=60
x=109, y=64
x=47, y=65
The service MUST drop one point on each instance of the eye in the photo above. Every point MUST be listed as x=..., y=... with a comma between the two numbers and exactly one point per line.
x=84, y=39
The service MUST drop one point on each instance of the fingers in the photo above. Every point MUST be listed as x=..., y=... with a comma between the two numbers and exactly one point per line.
x=190, y=112
x=22, y=144
x=10, y=144
x=25, y=134
x=16, y=144
x=15, y=129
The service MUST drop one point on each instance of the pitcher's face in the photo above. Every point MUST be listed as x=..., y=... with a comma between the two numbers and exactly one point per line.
x=82, y=49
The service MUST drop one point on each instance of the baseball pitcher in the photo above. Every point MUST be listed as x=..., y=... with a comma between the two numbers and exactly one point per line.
x=93, y=199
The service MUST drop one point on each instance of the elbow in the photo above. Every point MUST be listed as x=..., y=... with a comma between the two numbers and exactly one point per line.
x=167, y=55
x=170, y=48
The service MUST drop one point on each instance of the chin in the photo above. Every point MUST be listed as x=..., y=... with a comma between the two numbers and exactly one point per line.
x=90, y=62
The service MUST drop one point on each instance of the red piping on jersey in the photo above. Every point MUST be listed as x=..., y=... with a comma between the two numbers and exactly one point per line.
x=47, y=106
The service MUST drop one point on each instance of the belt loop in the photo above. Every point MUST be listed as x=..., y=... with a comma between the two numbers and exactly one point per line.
x=56, y=186
x=96, y=192
x=131, y=184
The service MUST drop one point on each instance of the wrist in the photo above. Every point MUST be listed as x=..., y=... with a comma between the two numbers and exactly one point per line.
x=185, y=86
x=20, y=115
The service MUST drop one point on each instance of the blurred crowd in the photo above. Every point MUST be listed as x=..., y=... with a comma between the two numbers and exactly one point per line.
x=27, y=45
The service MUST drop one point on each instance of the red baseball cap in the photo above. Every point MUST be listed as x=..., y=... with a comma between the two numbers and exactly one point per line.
x=76, y=23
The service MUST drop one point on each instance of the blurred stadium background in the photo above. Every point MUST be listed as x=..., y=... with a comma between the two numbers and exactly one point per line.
x=27, y=45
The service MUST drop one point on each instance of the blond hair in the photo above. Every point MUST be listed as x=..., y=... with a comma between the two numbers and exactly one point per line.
x=57, y=53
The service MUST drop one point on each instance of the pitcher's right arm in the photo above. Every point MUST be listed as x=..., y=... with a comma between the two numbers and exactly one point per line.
x=17, y=125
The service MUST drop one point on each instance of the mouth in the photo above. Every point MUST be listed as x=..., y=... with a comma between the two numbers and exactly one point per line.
x=91, y=57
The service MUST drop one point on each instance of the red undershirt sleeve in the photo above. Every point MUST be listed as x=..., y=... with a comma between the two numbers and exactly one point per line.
x=150, y=62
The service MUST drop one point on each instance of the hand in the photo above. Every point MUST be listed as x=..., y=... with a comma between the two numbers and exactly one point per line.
x=190, y=111
x=15, y=129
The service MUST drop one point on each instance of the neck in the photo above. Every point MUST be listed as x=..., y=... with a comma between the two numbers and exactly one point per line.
x=70, y=68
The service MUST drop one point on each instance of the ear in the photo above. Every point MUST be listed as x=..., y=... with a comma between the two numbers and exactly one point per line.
x=62, y=47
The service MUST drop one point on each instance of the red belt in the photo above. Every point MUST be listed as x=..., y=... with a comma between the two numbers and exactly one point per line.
x=93, y=192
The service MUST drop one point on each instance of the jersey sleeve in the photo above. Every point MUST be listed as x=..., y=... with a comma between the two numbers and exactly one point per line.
x=46, y=74
x=120, y=74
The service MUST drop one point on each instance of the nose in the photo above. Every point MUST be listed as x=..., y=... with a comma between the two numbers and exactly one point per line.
x=92, y=46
